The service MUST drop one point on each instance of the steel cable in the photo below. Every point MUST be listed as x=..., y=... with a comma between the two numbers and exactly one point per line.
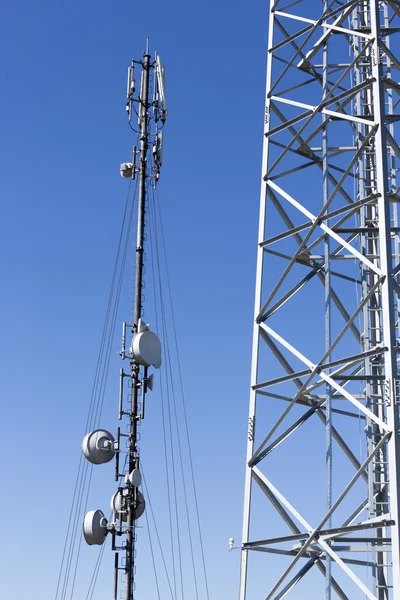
x=148, y=500
x=155, y=289
x=182, y=473
x=151, y=546
x=101, y=393
x=182, y=393
x=169, y=368
x=94, y=413
x=93, y=581
x=82, y=485
x=169, y=376
x=105, y=372
x=95, y=574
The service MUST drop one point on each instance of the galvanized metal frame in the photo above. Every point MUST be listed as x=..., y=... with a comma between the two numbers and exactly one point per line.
x=331, y=93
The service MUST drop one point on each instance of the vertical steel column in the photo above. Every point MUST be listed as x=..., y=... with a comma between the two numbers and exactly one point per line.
x=366, y=184
x=257, y=307
x=328, y=334
x=388, y=292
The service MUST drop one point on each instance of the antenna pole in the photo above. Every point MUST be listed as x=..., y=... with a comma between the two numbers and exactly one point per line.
x=99, y=446
x=134, y=416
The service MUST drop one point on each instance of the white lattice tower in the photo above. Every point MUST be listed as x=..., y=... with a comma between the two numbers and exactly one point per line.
x=322, y=474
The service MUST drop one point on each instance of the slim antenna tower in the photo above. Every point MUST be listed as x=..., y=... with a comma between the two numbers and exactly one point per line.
x=144, y=351
x=322, y=483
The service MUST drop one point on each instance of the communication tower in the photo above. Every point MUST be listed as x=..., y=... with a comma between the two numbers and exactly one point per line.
x=323, y=453
x=142, y=350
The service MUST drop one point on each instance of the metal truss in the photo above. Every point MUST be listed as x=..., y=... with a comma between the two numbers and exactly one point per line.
x=325, y=390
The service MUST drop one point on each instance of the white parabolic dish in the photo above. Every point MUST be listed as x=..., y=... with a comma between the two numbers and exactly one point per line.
x=94, y=527
x=119, y=504
x=146, y=349
x=98, y=446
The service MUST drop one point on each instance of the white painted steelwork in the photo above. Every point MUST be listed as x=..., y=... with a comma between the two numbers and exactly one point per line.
x=322, y=475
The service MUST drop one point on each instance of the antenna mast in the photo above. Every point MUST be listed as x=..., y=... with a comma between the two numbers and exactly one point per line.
x=324, y=416
x=132, y=499
x=128, y=504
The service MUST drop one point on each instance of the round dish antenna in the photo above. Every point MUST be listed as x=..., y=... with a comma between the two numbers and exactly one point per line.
x=98, y=446
x=94, y=527
x=119, y=503
x=146, y=349
x=135, y=478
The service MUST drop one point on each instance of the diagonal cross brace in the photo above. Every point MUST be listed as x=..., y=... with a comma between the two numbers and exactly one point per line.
x=313, y=533
x=327, y=378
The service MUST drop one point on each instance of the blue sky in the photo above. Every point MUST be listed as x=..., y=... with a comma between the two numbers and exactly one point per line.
x=64, y=134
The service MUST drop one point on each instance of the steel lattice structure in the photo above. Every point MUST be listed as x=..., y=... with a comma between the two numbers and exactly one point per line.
x=325, y=388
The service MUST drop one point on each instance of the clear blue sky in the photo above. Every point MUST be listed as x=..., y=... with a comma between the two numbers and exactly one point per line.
x=63, y=135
